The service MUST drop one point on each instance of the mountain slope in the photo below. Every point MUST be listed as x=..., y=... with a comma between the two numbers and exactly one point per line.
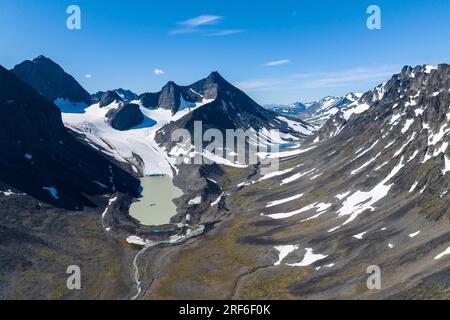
x=147, y=146
x=51, y=81
x=375, y=192
x=230, y=108
x=41, y=157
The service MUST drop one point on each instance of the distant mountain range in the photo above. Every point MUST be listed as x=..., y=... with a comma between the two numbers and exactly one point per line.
x=316, y=112
x=124, y=94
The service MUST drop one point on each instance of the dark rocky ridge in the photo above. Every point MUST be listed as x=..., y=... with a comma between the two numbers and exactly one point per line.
x=125, y=95
x=125, y=116
x=50, y=80
x=230, y=108
x=150, y=99
x=206, y=89
x=170, y=97
x=398, y=91
x=38, y=152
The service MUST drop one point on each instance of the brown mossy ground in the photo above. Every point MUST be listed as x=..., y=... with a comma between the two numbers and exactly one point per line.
x=67, y=238
x=267, y=283
x=209, y=269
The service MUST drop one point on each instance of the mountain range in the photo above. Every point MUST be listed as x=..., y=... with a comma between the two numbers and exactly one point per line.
x=212, y=100
x=316, y=112
x=50, y=80
x=363, y=183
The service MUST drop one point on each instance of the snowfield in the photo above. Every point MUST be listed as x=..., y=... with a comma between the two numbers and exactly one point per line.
x=138, y=144
x=122, y=145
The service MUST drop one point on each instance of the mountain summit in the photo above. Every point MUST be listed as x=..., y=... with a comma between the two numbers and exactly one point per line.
x=223, y=106
x=51, y=81
x=175, y=97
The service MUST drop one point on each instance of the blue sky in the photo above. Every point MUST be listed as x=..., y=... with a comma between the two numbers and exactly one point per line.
x=277, y=51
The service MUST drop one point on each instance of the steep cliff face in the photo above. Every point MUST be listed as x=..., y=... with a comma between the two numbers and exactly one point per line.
x=125, y=116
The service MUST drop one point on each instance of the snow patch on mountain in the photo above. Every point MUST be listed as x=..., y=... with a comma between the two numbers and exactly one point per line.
x=284, y=251
x=281, y=201
x=309, y=258
x=361, y=201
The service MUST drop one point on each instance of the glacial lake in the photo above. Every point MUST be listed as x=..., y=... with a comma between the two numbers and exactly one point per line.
x=155, y=206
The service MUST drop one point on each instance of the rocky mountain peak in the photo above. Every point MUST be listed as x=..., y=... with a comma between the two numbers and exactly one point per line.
x=169, y=97
x=175, y=97
x=408, y=114
x=50, y=80
x=43, y=59
x=169, y=85
x=215, y=77
x=23, y=112
x=124, y=94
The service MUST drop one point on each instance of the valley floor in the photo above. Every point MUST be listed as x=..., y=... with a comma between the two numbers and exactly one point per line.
x=239, y=258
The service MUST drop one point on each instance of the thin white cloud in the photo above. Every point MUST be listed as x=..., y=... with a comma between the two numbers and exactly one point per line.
x=276, y=63
x=261, y=84
x=201, y=20
x=88, y=76
x=158, y=72
x=201, y=24
x=183, y=31
x=353, y=78
x=226, y=32
x=195, y=24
